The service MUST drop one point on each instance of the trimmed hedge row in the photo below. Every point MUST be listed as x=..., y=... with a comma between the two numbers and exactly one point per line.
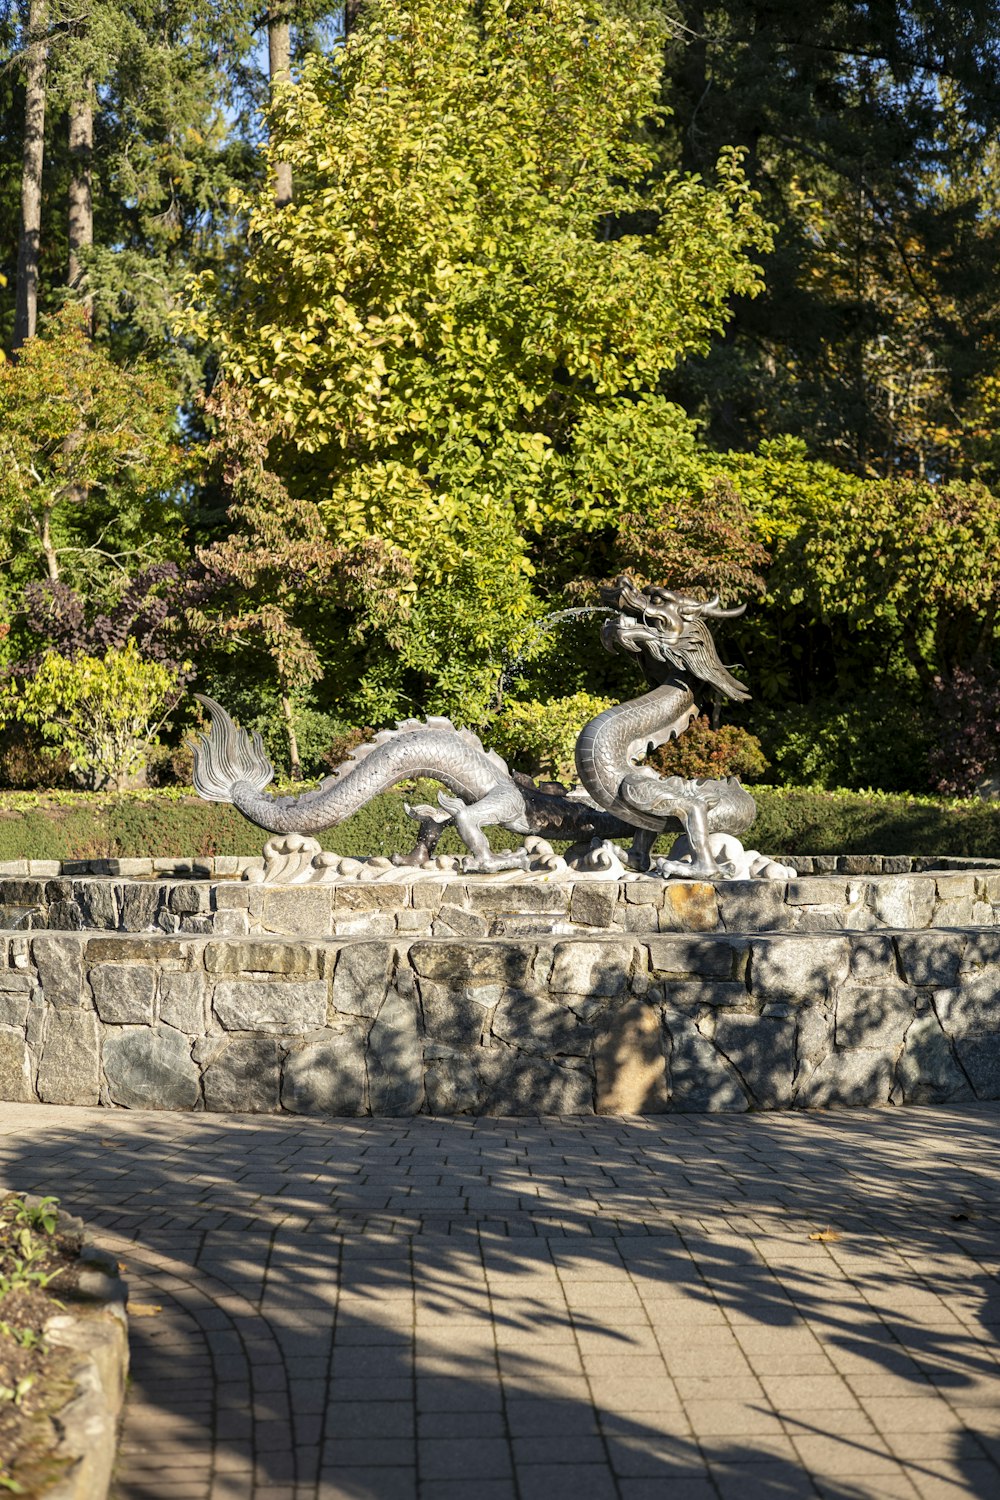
x=790, y=821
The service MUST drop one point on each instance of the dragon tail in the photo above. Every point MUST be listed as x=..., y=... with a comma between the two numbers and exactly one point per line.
x=227, y=756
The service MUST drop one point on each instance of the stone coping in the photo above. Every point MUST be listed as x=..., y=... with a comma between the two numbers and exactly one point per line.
x=471, y=907
x=514, y=1026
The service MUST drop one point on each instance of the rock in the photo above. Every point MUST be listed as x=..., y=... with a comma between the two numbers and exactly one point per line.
x=15, y=1070
x=245, y=1077
x=860, y=1076
x=930, y=957
x=817, y=891
x=531, y=1023
x=594, y=903
x=14, y=1009
x=266, y=956
x=593, y=968
x=327, y=1075
x=874, y=1017
x=147, y=1069
x=59, y=961
x=298, y=910
x=455, y=921
x=98, y=903
x=458, y=1017
x=396, y=1058
x=686, y=995
x=814, y=1037
x=362, y=977
x=140, y=904
x=982, y=950
x=288, y=1006
x=689, y=906
x=69, y=1070
x=630, y=1063
x=973, y=1006
x=903, y=902
x=183, y=1001
x=462, y=963
x=927, y=1072
x=753, y=906
x=762, y=1050
x=700, y=1079
x=716, y=958
x=873, y=957
x=512, y=1084
x=64, y=916
x=453, y=1086
x=980, y=1057
x=123, y=993
x=187, y=899
x=799, y=969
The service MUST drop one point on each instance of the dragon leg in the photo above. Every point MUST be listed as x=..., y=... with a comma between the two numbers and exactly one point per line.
x=641, y=849
x=503, y=804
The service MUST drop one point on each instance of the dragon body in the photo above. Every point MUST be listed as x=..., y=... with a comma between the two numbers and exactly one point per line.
x=620, y=798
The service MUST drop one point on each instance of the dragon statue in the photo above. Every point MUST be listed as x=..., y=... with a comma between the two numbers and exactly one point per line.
x=619, y=800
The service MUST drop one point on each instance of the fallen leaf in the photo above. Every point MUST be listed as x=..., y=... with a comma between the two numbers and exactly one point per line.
x=143, y=1309
x=112, y=1145
x=826, y=1236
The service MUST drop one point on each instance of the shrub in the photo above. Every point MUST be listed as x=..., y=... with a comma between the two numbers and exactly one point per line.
x=868, y=740
x=968, y=709
x=704, y=751
x=540, y=737
x=104, y=712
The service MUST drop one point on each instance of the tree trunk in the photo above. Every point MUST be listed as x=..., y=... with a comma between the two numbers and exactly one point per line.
x=352, y=10
x=48, y=549
x=26, y=303
x=295, y=765
x=279, y=57
x=81, y=202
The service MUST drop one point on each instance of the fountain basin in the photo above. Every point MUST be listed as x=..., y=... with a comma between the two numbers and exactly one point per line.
x=186, y=988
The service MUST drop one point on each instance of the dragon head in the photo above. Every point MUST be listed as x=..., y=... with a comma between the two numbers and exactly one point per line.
x=670, y=629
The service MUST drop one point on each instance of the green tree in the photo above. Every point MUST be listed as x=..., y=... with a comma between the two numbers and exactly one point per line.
x=481, y=277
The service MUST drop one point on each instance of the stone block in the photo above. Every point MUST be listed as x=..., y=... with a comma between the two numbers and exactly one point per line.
x=700, y=1078
x=166, y=952
x=150, y=1069
x=930, y=958
x=364, y=924
x=629, y=1062
x=874, y=1016
x=140, y=904
x=926, y=1071
x=460, y=1016
x=512, y=1084
x=980, y=1057
x=972, y=1006
x=858, y=1077
x=370, y=896
x=286, y=1005
x=593, y=968
x=189, y=898
x=298, y=910
x=594, y=903
x=644, y=919
x=183, y=1001
x=232, y=895
x=903, y=901
x=455, y=921
x=98, y=903
x=245, y=1077
x=264, y=956
x=688, y=994
x=817, y=890
x=874, y=957
x=14, y=1007
x=396, y=1058
x=982, y=951
x=27, y=893
x=69, y=1069
x=534, y=1024
x=753, y=906
x=532, y=896
x=327, y=1075
x=802, y=969
x=465, y=963
x=16, y=982
x=15, y=1066
x=689, y=906
x=453, y=1085
x=230, y=923
x=59, y=961
x=814, y=1034
x=715, y=958
x=62, y=916
x=955, y=886
x=762, y=1050
x=362, y=977
x=123, y=993
x=430, y=894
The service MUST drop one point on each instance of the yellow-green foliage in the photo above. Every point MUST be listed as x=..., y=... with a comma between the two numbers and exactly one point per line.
x=540, y=737
x=105, y=711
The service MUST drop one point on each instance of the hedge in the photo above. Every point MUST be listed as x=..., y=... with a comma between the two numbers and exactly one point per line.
x=171, y=824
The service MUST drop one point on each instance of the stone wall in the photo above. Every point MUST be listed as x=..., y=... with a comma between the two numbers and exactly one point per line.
x=517, y=1024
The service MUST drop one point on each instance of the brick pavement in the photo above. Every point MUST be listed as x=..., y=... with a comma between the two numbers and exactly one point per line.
x=557, y=1309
